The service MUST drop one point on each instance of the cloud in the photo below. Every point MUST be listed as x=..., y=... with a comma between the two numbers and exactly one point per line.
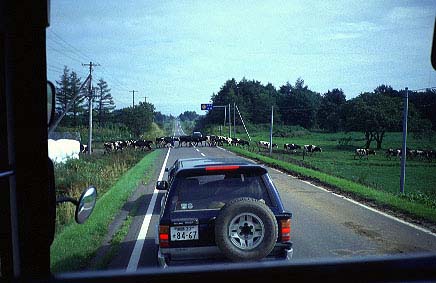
x=401, y=14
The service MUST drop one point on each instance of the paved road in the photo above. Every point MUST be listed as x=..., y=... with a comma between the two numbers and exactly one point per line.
x=324, y=224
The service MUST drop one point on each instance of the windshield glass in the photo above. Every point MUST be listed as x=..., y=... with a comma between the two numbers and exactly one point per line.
x=335, y=99
x=214, y=191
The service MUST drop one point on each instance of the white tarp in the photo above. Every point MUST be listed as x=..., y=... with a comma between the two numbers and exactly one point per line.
x=61, y=150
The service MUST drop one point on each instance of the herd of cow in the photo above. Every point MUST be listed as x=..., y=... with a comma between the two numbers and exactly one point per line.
x=208, y=140
x=114, y=146
x=169, y=141
x=215, y=140
x=412, y=154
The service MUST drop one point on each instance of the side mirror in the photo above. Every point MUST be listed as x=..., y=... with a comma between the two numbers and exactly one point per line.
x=51, y=102
x=161, y=185
x=86, y=204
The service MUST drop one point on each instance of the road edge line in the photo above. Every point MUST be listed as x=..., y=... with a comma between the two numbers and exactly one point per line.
x=422, y=229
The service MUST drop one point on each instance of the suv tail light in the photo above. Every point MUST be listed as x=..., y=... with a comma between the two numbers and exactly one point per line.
x=285, y=230
x=222, y=167
x=164, y=236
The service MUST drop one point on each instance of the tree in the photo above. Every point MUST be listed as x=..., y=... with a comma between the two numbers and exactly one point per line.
x=329, y=113
x=63, y=91
x=425, y=103
x=104, y=101
x=373, y=114
x=74, y=88
x=138, y=119
x=189, y=116
x=299, y=105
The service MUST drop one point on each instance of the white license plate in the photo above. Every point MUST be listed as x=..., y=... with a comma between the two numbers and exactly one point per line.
x=184, y=233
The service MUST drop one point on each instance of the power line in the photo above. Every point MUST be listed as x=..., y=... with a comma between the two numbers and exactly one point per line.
x=86, y=57
x=80, y=54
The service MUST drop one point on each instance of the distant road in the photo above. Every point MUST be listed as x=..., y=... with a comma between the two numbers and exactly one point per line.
x=324, y=224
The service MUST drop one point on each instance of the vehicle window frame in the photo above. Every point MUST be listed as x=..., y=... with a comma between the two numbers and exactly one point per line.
x=381, y=268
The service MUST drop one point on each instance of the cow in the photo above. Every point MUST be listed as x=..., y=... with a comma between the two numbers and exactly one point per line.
x=109, y=147
x=235, y=141
x=196, y=140
x=363, y=152
x=226, y=140
x=244, y=143
x=291, y=146
x=312, y=148
x=187, y=140
x=266, y=145
x=263, y=144
x=211, y=140
x=83, y=148
x=142, y=144
x=164, y=141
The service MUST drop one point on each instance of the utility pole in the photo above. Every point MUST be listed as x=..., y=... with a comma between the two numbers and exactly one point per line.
x=271, y=130
x=404, y=149
x=225, y=116
x=133, y=91
x=230, y=123
x=234, y=119
x=145, y=99
x=90, y=105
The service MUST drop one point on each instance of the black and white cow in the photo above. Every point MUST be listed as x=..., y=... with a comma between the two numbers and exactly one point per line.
x=187, y=140
x=363, y=153
x=244, y=143
x=142, y=144
x=291, y=146
x=312, y=148
x=266, y=145
x=83, y=148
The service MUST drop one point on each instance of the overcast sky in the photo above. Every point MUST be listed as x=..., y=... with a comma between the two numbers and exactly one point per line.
x=178, y=53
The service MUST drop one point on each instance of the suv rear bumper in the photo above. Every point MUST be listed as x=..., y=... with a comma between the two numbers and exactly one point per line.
x=211, y=254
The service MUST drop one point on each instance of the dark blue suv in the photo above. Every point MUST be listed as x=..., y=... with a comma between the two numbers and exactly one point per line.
x=221, y=209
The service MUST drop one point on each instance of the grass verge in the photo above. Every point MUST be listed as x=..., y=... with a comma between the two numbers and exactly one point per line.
x=118, y=237
x=380, y=198
x=77, y=244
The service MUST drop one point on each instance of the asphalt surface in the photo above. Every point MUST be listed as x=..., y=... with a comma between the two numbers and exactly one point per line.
x=324, y=225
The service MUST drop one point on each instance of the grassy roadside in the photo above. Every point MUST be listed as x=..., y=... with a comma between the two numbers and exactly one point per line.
x=118, y=237
x=382, y=198
x=76, y=244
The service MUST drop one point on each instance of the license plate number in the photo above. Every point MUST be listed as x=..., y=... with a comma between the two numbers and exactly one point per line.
x=184, y=233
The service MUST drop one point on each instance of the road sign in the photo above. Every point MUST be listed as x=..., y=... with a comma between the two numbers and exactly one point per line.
x=206, y=106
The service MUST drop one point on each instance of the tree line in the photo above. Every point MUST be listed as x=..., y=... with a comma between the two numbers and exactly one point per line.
x=137, y=119
x=373, y=113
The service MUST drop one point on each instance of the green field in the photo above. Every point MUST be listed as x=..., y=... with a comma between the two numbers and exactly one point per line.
x=337, y=159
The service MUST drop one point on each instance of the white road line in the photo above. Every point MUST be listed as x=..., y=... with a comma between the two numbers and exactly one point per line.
x=197, y=149
x=371, y=208
x=360, y=204
x=136, y=253
x=202, y=154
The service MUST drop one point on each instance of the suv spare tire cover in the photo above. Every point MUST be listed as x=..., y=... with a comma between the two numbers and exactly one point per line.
x=260, y=214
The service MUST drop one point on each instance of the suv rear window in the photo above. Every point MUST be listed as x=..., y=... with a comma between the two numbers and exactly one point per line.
x=214, y=191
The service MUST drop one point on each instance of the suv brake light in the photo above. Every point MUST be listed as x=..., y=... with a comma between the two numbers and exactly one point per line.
x=164, y=236
x=223, y=167
x=286, y=230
